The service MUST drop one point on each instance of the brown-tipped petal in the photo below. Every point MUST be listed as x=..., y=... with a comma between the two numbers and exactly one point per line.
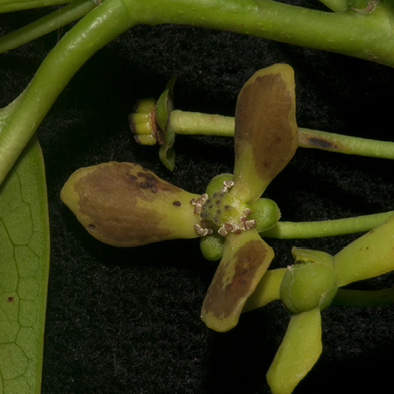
x=265, y=129
x=123, y=204
x=245, y=260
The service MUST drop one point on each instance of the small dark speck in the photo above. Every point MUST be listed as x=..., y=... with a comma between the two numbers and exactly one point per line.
x=91, y=226
x=144, y=185
x=132, y=177
x=10, y=299
x=177, y=203
x=153, y=189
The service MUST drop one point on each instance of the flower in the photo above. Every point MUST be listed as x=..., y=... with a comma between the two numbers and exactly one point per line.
x=124, y=204
x=312, y=284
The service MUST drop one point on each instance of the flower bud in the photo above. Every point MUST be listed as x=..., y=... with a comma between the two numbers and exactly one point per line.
x=143, y=123
x=308, y=284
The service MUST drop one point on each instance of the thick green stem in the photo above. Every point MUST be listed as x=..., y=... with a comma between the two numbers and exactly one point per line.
x=94, y=31
x=368, y=36
x=189, y=123
x=365, y=35
x=48, y=23
x=325, y=228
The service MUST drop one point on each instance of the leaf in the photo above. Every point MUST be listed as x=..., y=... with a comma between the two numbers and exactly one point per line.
x=245, y=260
x=265, y=135
x=24, y=269
x=300, y=349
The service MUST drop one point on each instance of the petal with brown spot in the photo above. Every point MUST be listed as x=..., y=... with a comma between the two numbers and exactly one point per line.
x=265, y=129
x=123, y=204
x=245, y=260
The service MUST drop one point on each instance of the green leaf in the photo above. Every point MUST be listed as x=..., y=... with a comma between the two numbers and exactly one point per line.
x=24, y=269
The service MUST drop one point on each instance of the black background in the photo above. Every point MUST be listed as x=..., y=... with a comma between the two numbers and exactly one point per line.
x=127, y=320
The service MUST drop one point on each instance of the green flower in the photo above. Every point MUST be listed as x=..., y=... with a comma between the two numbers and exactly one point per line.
x=125, y=205
x=312, y=284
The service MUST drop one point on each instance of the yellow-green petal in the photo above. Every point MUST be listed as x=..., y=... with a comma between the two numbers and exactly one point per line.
x=267, y=290
x=300, y=349
x=265, y=129
x=368, y=256
x=245, y=260
x=124, y=204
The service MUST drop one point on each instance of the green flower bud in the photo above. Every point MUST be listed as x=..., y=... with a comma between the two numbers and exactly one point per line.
x=309, y=284
x=212, y=246
x=123, y=204
x=217, y=182
x=265, y=212
x=143, y=123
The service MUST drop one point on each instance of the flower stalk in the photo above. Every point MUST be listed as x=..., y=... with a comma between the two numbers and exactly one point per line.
x=197, y=123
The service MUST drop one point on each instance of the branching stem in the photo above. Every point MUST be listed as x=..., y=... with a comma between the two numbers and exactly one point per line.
x=48, y=23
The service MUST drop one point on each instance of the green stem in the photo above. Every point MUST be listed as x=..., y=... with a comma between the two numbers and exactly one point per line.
x=48, y=23
x=189, y=123
x=368, y=36
x=336, y=5
x=12, y=5
x=325, y=228
x=365, y=36
x=366, y=298
x=95, y=30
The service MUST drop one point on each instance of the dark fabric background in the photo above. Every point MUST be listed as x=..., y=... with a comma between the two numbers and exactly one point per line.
x=127, y=320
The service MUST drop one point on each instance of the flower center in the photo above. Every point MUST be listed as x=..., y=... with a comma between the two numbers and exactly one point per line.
x=222, y=212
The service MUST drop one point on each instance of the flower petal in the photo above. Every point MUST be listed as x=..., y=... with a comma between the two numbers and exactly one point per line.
x=267, y=290
x=245, y=260
x=300, y=349
x=265, y=129
x=368, y=256
x=123, y=204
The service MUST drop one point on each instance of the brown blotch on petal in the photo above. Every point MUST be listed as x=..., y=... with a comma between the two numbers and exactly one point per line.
x=265, y=118
x=224, y=295
x=109, y=197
